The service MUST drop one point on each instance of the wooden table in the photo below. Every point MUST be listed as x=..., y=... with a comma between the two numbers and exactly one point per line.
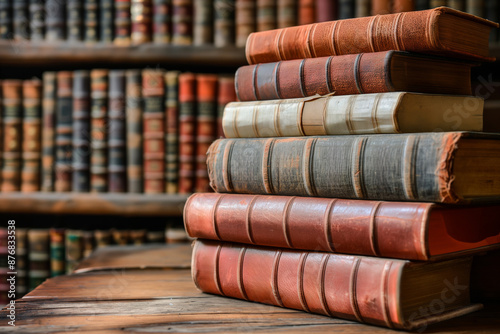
x=110, y=293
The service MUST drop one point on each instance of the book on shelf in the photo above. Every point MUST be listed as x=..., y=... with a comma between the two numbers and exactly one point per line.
x=306, y=12
x=75, y=23
x=326, y=10
x=203, y=19
x=286, y=14
x=21, y=21
x=74, y=249
x=122, y=23
x=36, y=20
x=21, y=262
x=162, y=21
x=245, y=20
x=224, y=16
x=6, y=29
x=134, y=112
x=345, y=9
x=64, y=132
x=187, y=132
x=141, y=12
x=182, y=21
x=172, y=131
x=38, y=257
x=265, y=12
x=91, y=20
x=57, y=252
x=106, y=21
x=226, y=94
x=48, y=130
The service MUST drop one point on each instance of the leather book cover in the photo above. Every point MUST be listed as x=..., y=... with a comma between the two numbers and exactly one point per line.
x=57, y=252
x=12, y=111
x=429, y=167
x=91, y=20
x=122, y=23
x=172, y=132
x=31, y=142
x=21, y=20
x=286, y=14
x=326, y=10
x=363, y=8
x=75, y=20
x=245, y=20
x=381, y=7
x=106, y=21
x=99, y=126
x=306, y=12
x=404, y=230
x=153, y=91
x=48, y=130
x=6, y=29
x=421, y=31
x=162, y=21
x=187, y=132
x=142, y=19
x=117, y=162
x=475, y=7
x=81, y=132
x=182, y=22
x=266, y=15
x=224, y=23
x=36, y=20
x=226, y=94
x=399, y=6
x=134, y=108
x=206, y=120
x=371, y=290
x=64, y=131
x=345, y=9
x=38, y=257
x=203, y=22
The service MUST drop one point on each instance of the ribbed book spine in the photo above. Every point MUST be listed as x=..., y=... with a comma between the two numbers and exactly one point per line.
x=48, y=130
x=55, y=23
x=106, y=20
x=32, y=127
x=75, y=20
x=286, y=13
x=74, y=249
x=245, y=20
x=91, y=33
x=134, y=132
x=81, y=132
x=182, y=20
x=224, y=24
x=226, y=94
x=21, y=262
x=172, y=132
x=99, y=131
x=117, y=163
x=6, y=29
x=162, y=21
x=37, y=20
x=326, y=10
x=12, y=131
x=21, y=19
x=122, y=22
x=64, y=131
x=266, y=15
x=306, y=12
x=206, y=126
x=57, y=252
x=142, y=17
x=363, y=8
x=39, y=257
x=203, y=22
x=153, y=91
x=187, y=132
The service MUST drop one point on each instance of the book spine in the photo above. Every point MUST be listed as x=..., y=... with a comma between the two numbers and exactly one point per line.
x=203, y=22
x=322, y=283
x=6, y=28
x=137, y=237
x=492, y=13
x=437, y=3
x=326, y=10
x=74, y=249
x=162, y=21
x=38, y=256
x=374, y=161
x=172, y=132
x=106, y=21
x=1, y=130
x=153, y=91
x=175, y=235
x=81, y=132
x=91, y=32
x=64, y=131
x=286, y=14
x=48, y=130
x=224, y=24
x=121, y=237
x=422, y=4
x=141, y=18
x=182, y=19
x=4, y=266
x=21, y=20
x=21, y=262
x=122, y=22
x=187, y=132
x=226, y=94
x=36, y=20
x=155, y=237
x=266, y=15
x=381, y=7
x=246, y=20
x=346, y=9
x=306, y=12
x=74, y=20
x=117, y=163
x=460, y=5
x=102, y=238
x=134, y=131
x=399, y=6
x=88, y=244
x=12, y=131
x=57, y=252
x=363, y=8
x=32, y=127
x=99, y=131
x=55, y=22
x=206, y=91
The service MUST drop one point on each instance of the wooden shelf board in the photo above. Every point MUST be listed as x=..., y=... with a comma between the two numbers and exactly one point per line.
x=41, y=53
x=93, y=204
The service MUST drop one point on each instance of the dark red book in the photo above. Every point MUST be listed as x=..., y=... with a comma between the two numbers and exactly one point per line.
x=172, y=132
x=187, y=132
x=226, y=94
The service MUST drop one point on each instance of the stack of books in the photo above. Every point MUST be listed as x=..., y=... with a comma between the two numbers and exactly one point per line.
x=348, y=190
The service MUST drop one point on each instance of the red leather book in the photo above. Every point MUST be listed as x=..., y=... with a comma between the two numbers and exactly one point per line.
x=442, y=31
x=172, y=132
x=187, y=132
x=377, y=72
x=226, y=94
x=404, y=230
x=399, y=6
x=326, y=10
x=378, y=291
x=307, y=13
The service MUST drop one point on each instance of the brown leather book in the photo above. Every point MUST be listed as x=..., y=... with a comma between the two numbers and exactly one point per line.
x=403, y=230
x=445, y=167
x=306, y=11
x=245, y=20
x=38, y=257
x=182, y=22
x=384, y=292
x=122, y=22
x=363, y=73
x=134, y=110
x=48, y=130
x=266, y=15
x=381, y=7
x=442, y=31
x=203, y=22
x=187, y=132
x=226, y=94
x=64, y=131
x=286, y=14
x=399, y=6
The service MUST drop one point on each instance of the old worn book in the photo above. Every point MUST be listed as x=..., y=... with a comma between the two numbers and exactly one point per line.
x=74, y=20
x=141, y=19
x=266, y=15
x=378, y=291
x=162, y=21
x=306, y=12
x=91, y=20
x=37, y=20
x=403, y=230
x=345, y=9
x=48, y=130
x=203, y=22
x=397, y=112
x=246, y=20
x=225, y=95
x=106, y=20
x=442, y=31
x=187, y=132
x=224, y=22
x=57, y=252
x=377, y=72
x=134, y=109
x=286, y=14
x=122, y=23
x=21, y=21
x=6, y=30
x=38, y=256
x=172, y=132
x=447, y=167
x=182, y=21
x=64, y=131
